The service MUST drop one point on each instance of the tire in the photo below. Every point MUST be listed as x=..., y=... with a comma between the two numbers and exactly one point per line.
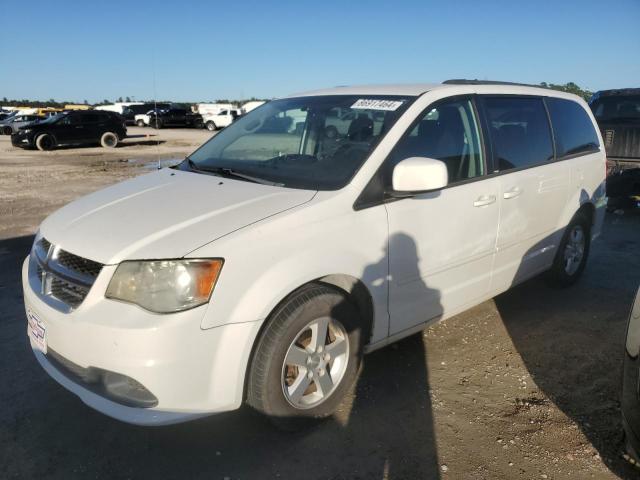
x=157, y=124
x=7, y=130
x=211, y=126
x=45, y=142
x=571, y=257
x=140, y=123
x=289, y=335
x=109, y=140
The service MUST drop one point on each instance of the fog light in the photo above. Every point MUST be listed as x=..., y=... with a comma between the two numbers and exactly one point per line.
x=127, y=391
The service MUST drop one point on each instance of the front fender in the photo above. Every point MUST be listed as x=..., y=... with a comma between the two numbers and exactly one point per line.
x=265, y=263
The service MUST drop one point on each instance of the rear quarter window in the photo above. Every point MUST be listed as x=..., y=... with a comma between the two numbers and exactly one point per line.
x=573, y=129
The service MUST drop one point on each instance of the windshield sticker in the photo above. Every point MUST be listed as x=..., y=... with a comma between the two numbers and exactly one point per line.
x=371, y=104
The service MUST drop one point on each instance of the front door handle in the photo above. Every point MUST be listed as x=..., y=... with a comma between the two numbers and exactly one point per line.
x=513, y=193
x=484, y=200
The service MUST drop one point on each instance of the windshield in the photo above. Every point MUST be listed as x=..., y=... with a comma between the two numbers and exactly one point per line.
x=315, y=143
x=617, y=108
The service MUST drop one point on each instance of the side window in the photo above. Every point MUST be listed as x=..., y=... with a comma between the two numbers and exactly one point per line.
x=520, y=131
x=572, y=127
x=449, y=132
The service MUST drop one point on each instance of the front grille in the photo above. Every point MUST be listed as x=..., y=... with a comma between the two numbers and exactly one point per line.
x=45, y=244
x=68, y=292
x=61, y=278
x=79, y=264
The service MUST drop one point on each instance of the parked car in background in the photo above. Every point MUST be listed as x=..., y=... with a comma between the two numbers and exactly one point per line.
x=630, y=400
x=12, y=124
x=210, y=108
x=220, y=120
x=174, y=117
x=618, y=115
x=72, y=128
x=131, y=112
x=265, y=265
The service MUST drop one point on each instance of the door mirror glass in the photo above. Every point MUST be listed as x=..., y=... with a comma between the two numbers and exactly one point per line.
x=419, y=174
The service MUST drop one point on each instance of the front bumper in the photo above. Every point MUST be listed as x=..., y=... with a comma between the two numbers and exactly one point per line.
x=21, y=140
x=191, y=372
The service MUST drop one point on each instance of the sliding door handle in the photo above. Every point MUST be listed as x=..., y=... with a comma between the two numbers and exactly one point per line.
x=484, y=200
x=513, y=193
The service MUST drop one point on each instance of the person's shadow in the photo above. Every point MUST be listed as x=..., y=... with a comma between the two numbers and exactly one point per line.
x=389, y=429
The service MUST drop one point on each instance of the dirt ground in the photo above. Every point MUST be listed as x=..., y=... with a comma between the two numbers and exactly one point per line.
x=522, y=386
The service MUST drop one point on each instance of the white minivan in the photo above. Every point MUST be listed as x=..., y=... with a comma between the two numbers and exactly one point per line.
x=264, y=266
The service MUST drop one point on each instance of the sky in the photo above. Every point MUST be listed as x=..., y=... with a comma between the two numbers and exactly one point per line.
x=207, y=50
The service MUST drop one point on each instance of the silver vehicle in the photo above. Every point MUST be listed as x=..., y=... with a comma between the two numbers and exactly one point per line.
x=13, y=124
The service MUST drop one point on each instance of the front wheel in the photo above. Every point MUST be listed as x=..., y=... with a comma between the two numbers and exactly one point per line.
x=7, y=130
x=572, y=254
x=140, y=123
x=45, y=142
x=211, y=126
x=307, y=358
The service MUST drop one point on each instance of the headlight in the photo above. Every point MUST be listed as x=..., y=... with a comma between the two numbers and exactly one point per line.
x=24, y=130
x=165, y=286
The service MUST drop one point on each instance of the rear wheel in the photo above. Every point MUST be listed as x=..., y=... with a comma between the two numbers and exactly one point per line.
x=307, y=358
x=7, y=130
x=109, y=140
x=45, y=142
x=140, y=123
x=571, y=257
x=211, y=126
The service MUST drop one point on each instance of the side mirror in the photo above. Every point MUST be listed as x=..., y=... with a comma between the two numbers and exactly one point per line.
x=419, y=174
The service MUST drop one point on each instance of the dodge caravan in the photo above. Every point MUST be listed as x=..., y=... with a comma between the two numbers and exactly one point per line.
x=261, y=268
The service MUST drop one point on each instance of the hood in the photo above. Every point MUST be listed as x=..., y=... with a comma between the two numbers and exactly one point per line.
x=165, y=214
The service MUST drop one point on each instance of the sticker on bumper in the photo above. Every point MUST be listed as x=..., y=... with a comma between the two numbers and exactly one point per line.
x=37, y=331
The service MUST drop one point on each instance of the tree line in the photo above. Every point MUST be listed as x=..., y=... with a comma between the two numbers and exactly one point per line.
x=569, y=87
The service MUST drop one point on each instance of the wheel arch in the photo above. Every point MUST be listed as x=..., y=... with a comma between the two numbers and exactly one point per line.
x=353, y=288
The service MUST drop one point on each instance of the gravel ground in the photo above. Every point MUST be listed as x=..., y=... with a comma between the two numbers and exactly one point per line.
x=522, y=386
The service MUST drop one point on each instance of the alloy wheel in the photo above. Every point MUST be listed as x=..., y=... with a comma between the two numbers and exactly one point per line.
x=315, y=363
x=574, y=250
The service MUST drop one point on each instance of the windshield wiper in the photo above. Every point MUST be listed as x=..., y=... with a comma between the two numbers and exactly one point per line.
x=230, y=173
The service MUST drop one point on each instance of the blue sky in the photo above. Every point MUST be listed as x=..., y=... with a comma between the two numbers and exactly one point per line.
x=204, y=50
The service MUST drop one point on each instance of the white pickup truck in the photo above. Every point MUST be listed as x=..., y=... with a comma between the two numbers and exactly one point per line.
x=222, y=119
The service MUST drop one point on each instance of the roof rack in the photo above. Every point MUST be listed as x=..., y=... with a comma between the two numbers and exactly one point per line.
x=464, y=81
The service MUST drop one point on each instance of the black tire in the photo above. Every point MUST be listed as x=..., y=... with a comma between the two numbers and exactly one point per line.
x=566, y=271
x=211, y=126
x=266, y=376
x=7, y=130
x=157, y=124
x=140, y=123
x=109, y=140
x=45, y=142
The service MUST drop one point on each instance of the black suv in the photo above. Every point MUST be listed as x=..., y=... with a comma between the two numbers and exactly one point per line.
x=72, y=128
x=618, y=115
x=175, y=117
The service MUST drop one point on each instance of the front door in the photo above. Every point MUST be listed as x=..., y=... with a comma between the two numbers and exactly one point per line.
x=442, y=243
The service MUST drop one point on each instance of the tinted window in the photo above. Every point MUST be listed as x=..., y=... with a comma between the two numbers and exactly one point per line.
x=572, y=127
x=520, y=131
x=617, y=108
x=447, y=132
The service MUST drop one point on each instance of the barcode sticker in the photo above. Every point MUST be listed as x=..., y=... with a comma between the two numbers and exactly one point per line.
x=373, y=104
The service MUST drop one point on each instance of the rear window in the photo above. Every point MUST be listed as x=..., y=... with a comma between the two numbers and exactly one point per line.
x=520, y=131
x=572, y=127
x=617, y=108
